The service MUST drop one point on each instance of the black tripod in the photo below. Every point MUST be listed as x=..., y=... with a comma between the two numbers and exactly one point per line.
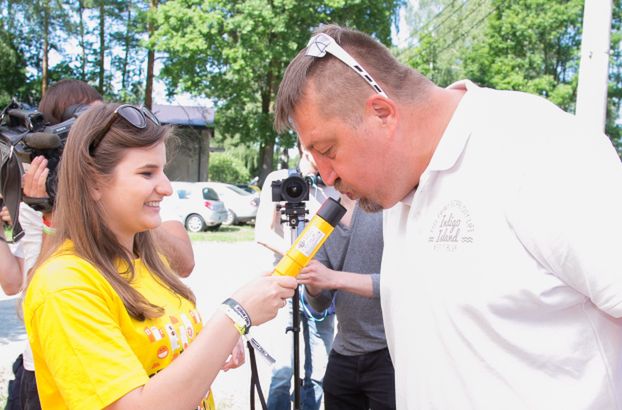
x=294, y=214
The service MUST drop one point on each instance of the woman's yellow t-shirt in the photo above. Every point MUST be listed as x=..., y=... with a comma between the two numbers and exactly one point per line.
x=88, y=351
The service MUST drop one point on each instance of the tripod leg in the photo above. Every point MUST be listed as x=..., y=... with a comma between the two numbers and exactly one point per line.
x=296, y=334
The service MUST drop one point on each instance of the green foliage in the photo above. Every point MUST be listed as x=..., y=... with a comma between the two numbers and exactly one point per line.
x=245, y=153
x=533, y=46
x=225, y=168
x=236, y=52
x=231, y=234
x=74, y=44
x=613, y=127
x=12, y=68
x=526, y=45
x=442, y=31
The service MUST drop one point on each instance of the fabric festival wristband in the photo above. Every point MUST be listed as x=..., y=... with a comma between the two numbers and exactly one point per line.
x=48, y=230
x=239, y=316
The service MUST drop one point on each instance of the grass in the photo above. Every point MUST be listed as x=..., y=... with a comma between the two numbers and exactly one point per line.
x=234, y=233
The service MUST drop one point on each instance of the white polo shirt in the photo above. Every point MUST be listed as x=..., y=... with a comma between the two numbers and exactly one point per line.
x=501, y=282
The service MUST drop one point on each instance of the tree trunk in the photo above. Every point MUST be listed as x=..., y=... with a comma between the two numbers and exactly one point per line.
x=126, y=55
x=284, y=158
x=153, y=5
x=10, y=20
x=266, y=152
x=46, y=47
x=81, y=42
x=102, y=44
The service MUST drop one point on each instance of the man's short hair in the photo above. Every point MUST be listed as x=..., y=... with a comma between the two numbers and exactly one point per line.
x=340, y=88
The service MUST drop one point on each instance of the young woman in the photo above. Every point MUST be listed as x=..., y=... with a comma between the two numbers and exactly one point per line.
x=106, y=317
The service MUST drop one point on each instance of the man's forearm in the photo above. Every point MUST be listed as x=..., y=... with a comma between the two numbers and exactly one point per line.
x=172, y=240
x=357, y=283
x=11, y=274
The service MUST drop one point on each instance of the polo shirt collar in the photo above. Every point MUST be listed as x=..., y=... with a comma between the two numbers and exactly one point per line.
x=456, y=135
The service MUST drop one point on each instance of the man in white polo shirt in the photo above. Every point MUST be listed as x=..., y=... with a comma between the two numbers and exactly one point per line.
x=501, y=280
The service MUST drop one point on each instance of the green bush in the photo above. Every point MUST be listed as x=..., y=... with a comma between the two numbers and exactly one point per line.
x=226, y=168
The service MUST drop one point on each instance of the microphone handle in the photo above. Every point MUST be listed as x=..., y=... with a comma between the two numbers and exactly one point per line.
x=311, y=238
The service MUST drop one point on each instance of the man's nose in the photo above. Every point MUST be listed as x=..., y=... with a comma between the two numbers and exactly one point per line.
x=329, y=176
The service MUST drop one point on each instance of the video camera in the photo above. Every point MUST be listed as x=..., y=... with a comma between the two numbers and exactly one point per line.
x=25, y=134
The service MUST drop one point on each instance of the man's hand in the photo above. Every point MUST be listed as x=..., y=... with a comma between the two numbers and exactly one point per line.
x=317, y=277
x=5, y=217
x=237, y=357
x=35, y=177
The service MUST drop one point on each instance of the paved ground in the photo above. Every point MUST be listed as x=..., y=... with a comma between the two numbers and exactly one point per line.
x=220, y=269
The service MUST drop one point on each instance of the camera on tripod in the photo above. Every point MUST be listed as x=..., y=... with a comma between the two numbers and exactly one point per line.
x=25, y=133
x=293, y=189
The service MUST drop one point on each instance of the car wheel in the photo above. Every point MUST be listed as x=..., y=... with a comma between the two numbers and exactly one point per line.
x=232, y=219
x=194, y=223
x=213, y=227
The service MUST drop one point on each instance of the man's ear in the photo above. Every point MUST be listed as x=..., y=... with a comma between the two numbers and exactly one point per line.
x=384, y=109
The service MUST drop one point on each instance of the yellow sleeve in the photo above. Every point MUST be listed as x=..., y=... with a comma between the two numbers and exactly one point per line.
x=85, y=354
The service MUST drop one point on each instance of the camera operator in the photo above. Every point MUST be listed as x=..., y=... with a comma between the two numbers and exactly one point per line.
x=317, y=335
x=60, y=103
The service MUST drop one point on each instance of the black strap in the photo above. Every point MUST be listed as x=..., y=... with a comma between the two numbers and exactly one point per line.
x=255, y=379
x=11, y=189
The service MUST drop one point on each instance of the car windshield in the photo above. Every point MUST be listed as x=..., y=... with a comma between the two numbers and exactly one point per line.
x=237, y=190
x=183, y=193
x=210, y=194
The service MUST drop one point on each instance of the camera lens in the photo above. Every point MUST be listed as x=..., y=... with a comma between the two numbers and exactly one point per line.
x=295, y=189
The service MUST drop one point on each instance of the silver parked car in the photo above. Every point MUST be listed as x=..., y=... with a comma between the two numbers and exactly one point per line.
x=199, y=206
x=241, y=205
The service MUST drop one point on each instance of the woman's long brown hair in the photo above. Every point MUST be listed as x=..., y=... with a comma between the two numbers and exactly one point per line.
x=81, y=219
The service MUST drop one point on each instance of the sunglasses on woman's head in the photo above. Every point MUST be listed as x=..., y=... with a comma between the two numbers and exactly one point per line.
x=135, y=116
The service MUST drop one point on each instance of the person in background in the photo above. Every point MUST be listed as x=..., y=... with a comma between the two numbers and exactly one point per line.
x=346, y=269
x=501, y=282
x=109, y=323
x=317, y=335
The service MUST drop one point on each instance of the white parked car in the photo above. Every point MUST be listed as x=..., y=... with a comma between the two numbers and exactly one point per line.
x=241, y=205
x=199, y=207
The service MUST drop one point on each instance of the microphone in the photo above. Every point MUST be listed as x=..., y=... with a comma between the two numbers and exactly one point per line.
x=311, y=238
x=42, y=140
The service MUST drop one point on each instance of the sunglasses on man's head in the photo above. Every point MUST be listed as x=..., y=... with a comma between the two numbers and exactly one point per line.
x=320, y=44
x=135, y=116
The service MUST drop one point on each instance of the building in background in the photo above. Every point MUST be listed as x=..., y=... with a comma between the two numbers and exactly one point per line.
x=195, y=129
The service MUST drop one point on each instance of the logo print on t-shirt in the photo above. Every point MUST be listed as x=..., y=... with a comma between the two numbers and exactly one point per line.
x=452, y=227
x=162, y=352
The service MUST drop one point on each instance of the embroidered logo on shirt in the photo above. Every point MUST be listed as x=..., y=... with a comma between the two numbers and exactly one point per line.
x=452, y=227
